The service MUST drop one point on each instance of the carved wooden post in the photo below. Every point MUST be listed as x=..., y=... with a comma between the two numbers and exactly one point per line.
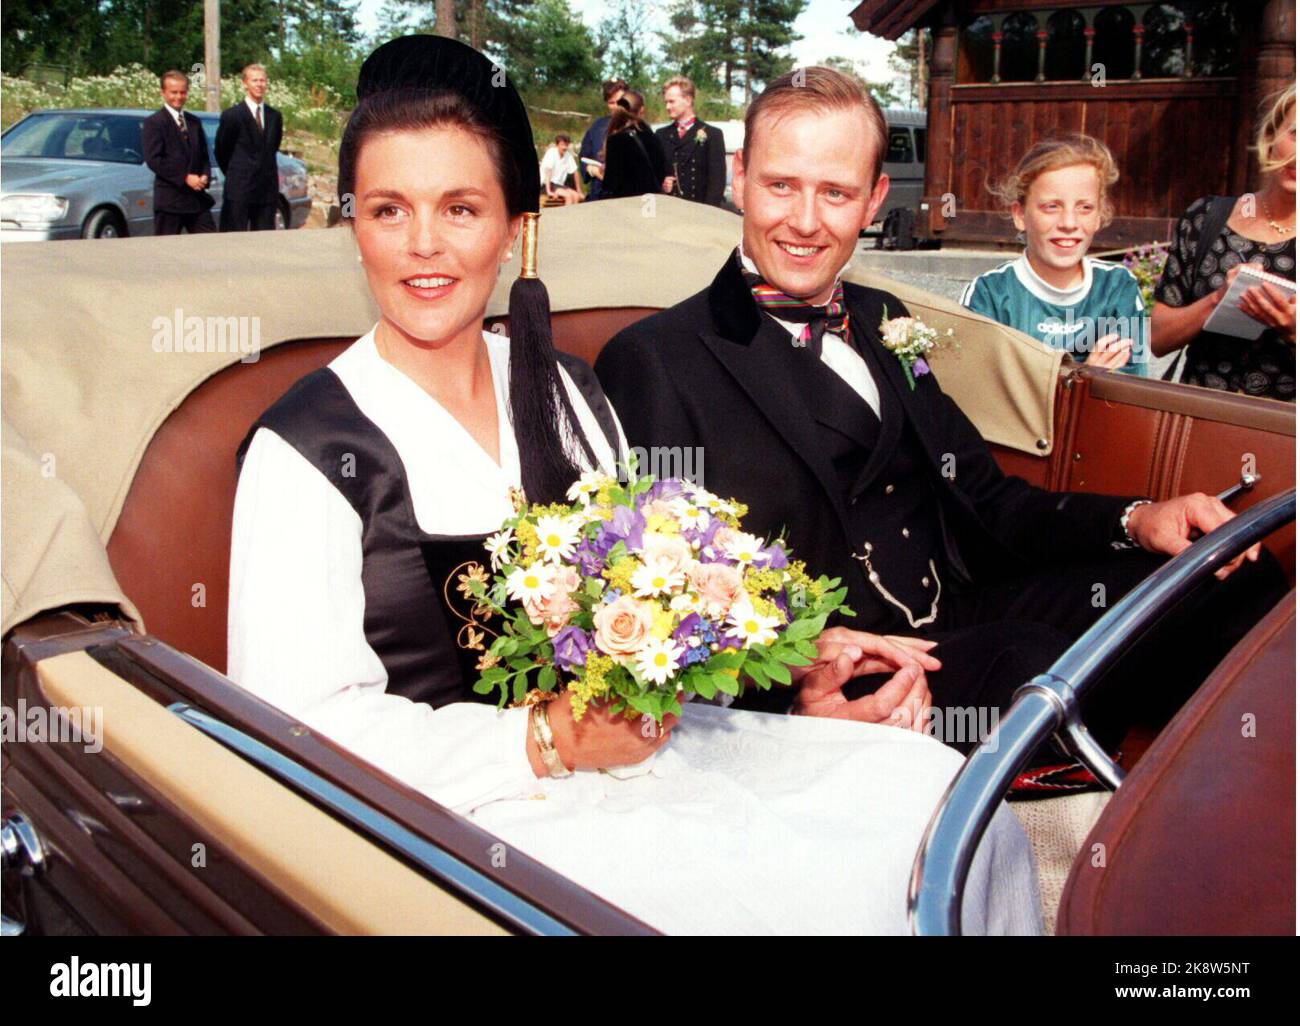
x=938, y=157
x=998, y=19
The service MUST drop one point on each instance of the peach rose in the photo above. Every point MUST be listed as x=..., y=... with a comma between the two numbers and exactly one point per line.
x=623, y=626
x=718, y=585
x=895, y=331
x=554, y=611
x=669, y=551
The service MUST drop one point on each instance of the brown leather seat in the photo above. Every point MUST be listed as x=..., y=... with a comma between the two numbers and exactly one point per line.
x=1200, y=839
x=170, y=548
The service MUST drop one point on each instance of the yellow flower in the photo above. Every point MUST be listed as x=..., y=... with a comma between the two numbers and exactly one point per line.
x=665, y=621
x=759, y=581
x=662, y=523
x=526, y=532
x=591, y=684
x=620, y=574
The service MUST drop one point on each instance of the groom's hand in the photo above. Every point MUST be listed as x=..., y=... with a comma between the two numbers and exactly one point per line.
x=844, y=654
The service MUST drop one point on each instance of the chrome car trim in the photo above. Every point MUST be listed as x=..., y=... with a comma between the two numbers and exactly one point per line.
x=446, y=868
x=1050, y=704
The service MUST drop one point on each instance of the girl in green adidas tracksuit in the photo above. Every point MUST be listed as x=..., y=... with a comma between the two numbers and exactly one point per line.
x=1054, y=291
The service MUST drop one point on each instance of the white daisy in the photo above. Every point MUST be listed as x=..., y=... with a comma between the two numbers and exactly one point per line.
x=499, y=547
x=531, y=583
x=651, y=579
x=743, y=548
x=689, y=515
x=714, y=504
x=686, y=602
x=751, y=627
x=657, y=660
x=586, y=486
x=557, y=537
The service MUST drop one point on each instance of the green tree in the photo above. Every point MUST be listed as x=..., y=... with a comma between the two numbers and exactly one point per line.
x=553, y=49
x=623, y=37
x=905, y=62
x=766, y=29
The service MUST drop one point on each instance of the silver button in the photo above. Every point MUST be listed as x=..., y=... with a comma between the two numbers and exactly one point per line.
x=889, y=489
x=906, y=533
x=925, y=582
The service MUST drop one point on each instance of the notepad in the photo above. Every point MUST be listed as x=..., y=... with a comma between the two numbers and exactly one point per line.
x=592, y=163
x=1228, y=318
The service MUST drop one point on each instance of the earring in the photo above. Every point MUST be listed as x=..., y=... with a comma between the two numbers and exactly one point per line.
x=359, y=260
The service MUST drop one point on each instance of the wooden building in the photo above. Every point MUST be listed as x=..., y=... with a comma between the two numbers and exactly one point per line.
x=1173, y=89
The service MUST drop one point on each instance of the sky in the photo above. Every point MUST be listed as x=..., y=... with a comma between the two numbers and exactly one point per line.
x=822, y=25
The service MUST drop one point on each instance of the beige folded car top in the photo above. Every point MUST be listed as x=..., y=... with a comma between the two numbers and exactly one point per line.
x=93, y=363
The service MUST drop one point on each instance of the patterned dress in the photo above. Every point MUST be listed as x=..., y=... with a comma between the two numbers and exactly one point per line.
x=1264, y=366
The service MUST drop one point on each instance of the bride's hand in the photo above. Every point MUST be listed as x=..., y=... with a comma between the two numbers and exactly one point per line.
x=601, y=739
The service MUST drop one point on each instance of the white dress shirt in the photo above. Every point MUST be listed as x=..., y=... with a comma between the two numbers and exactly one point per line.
x=253, y=108
x=296, y=634
x=556, y=169
x=837, y=354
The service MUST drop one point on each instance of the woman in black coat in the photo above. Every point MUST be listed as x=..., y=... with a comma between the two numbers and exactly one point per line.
x=634, y=160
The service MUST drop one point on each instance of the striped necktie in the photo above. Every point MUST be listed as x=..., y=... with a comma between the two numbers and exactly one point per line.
x=817, y=320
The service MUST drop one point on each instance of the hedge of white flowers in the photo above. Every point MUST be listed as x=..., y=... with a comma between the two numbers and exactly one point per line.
x=316, y=109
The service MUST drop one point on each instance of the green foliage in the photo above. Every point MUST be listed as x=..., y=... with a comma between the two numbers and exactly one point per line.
x=732, y=42
x=552, y=48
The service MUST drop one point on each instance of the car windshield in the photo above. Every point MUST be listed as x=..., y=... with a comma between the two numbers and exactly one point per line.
x=111, y=137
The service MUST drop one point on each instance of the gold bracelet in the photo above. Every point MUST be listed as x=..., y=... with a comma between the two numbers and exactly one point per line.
x=545, y=739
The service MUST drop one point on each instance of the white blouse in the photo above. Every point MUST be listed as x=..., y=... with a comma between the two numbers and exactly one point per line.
x=296, y=635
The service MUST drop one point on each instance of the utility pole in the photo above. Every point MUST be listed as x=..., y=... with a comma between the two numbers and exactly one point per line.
x=212, y=55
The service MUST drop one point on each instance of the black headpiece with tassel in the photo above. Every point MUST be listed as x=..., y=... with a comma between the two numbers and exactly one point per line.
x=541, y=414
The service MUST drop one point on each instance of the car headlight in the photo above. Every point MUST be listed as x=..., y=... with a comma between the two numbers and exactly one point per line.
x=33, y=208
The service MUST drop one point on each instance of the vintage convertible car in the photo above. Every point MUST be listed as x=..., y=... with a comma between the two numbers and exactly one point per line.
x=208, y=811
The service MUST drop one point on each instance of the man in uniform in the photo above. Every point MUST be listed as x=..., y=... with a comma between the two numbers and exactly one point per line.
x=695, y=153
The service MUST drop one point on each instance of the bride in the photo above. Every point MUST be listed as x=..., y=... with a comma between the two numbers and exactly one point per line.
x=370, y=478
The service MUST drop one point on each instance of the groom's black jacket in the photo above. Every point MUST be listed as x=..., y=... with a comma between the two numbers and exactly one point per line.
x=773, y=428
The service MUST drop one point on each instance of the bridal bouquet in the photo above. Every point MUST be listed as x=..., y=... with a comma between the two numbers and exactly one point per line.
x=637, y=592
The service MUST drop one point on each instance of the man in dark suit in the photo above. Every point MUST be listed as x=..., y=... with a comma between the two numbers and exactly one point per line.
x=594, y=139
x=695, y=153
x=176, y=151
x=248, y=138
x=778, y=377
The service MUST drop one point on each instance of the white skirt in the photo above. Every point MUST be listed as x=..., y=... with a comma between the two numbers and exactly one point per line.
x=749, y=823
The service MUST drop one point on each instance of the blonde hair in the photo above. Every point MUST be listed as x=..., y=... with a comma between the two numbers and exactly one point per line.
x=1281, y=112
x=816, y=89
x=683, y=83
x=1054, y=154
x=243, y=75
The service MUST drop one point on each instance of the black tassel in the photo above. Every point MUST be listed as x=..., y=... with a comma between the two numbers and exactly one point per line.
x=540, y=410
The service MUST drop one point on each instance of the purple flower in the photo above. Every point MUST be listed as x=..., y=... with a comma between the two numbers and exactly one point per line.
x=628, y=526
x=782, y=603
x=689, y=625
x=670, y=488
x=571, y=647
x=774, y=556
x=920, y=367
x=589, y=556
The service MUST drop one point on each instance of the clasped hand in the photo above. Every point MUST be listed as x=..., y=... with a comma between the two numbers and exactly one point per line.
x=842, y=654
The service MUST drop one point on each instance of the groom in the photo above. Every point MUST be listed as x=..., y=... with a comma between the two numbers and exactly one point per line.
x=778, y=373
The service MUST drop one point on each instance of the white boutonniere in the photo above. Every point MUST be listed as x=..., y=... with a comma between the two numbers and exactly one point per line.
x=912, y=340
x=701, y=137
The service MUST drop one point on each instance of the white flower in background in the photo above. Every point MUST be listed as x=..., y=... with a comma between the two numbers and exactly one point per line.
x=751, y=627
x=657, y=578
x=657, y=661
x=686, y=602
x=531, y=583
x=498, y=546
x=689, y=515
x=743, y=548
x=557, y=537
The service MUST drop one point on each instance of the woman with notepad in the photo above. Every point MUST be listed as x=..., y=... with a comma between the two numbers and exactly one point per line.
x=1238, y=330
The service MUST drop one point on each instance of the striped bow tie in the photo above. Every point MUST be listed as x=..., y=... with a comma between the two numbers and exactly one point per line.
x=817, y=320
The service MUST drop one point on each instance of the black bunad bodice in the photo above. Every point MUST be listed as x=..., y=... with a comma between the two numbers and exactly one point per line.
x=405, y=571
x=422, y=626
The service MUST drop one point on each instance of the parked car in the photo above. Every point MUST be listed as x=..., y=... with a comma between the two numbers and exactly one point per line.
x=80, y=174
x=209, y=811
